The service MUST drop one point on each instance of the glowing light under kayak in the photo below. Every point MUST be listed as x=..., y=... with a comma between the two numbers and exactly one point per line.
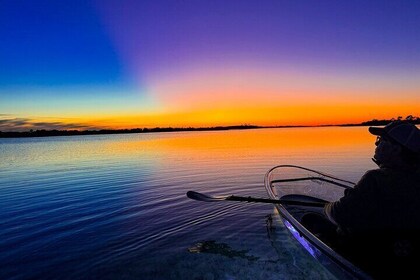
x=308, y=246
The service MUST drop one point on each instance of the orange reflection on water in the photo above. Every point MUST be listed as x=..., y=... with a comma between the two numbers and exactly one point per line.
x=254, y=141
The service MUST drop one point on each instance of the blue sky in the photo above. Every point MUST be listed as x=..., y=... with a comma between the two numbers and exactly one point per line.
x=147, y=62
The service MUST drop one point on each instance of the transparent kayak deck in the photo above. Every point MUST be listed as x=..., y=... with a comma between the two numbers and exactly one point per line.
x=286, y=181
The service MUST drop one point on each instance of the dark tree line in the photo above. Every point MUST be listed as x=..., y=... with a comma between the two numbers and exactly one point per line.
x=44, y=133
x=409, y=118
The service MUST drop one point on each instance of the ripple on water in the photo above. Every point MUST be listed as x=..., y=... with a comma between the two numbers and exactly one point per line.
x=114, y=206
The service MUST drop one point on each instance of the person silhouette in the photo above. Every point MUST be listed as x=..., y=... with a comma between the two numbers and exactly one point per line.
x=388, y=197
x=378, y=221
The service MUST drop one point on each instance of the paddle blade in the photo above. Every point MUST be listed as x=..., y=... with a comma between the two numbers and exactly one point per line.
x=204, y=197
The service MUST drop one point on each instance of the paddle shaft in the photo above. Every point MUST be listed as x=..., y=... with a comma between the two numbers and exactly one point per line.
x=279, y=201
x=208, y=198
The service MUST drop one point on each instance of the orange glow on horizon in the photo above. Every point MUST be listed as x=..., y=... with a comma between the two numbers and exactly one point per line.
x=304, y=114
x=307, y=112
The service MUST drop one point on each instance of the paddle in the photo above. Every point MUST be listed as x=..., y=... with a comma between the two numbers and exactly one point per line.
x=208, y=198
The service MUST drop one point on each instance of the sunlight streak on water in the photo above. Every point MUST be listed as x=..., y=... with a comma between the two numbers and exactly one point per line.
x=106, y=206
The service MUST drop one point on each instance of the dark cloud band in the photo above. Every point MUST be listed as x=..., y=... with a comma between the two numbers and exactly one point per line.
x=26, y=124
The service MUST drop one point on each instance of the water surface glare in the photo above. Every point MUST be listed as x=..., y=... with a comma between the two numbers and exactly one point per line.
x=114, y=206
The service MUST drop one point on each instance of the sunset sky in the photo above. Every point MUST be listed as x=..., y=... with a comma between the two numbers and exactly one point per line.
x=126, y=64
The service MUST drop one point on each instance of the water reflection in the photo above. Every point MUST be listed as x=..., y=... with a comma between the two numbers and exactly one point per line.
x=289, y=140
x=114, y=206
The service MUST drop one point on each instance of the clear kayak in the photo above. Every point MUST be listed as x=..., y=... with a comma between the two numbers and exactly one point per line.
x=289, y=182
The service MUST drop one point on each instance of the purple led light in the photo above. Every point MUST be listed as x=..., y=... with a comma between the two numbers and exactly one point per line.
x=311, y=249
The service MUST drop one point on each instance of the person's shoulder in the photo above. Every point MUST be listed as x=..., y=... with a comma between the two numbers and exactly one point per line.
x=380, y=172
x=374, y=173
x=385, y=175
x=374, y=177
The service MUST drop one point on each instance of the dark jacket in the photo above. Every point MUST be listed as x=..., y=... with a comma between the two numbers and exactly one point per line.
x=379, y=223
x=384, y=199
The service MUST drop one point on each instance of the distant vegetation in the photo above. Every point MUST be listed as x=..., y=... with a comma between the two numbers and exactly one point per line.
x=375, y=122
x=44, y=133
x=410, y=118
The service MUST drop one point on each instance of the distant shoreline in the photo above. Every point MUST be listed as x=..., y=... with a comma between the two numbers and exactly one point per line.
x=47, y=133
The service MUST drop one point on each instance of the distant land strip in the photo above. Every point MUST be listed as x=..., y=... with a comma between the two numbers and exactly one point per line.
x=45, y=133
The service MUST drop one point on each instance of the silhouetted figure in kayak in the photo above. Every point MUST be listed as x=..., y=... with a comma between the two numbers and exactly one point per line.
x=376, y=224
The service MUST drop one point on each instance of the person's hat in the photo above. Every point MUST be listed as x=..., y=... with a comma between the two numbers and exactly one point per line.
x=405, y=134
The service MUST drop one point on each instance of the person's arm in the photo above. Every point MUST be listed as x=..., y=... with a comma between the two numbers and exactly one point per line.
x=354, y=209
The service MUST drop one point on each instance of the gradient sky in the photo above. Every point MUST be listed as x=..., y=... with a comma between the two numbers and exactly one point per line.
x=126, y=64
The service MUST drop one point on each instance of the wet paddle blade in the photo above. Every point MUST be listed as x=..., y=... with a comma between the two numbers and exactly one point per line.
x=203, y=197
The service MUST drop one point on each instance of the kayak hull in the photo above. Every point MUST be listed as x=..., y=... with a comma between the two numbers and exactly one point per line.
x=303, y=184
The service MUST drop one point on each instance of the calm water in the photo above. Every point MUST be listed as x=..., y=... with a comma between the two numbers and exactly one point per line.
x=114, y=206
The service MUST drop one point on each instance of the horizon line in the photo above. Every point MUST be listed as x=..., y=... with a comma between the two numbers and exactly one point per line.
x=75, y=132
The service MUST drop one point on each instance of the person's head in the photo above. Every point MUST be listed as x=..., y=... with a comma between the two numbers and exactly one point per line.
x=397, y=144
